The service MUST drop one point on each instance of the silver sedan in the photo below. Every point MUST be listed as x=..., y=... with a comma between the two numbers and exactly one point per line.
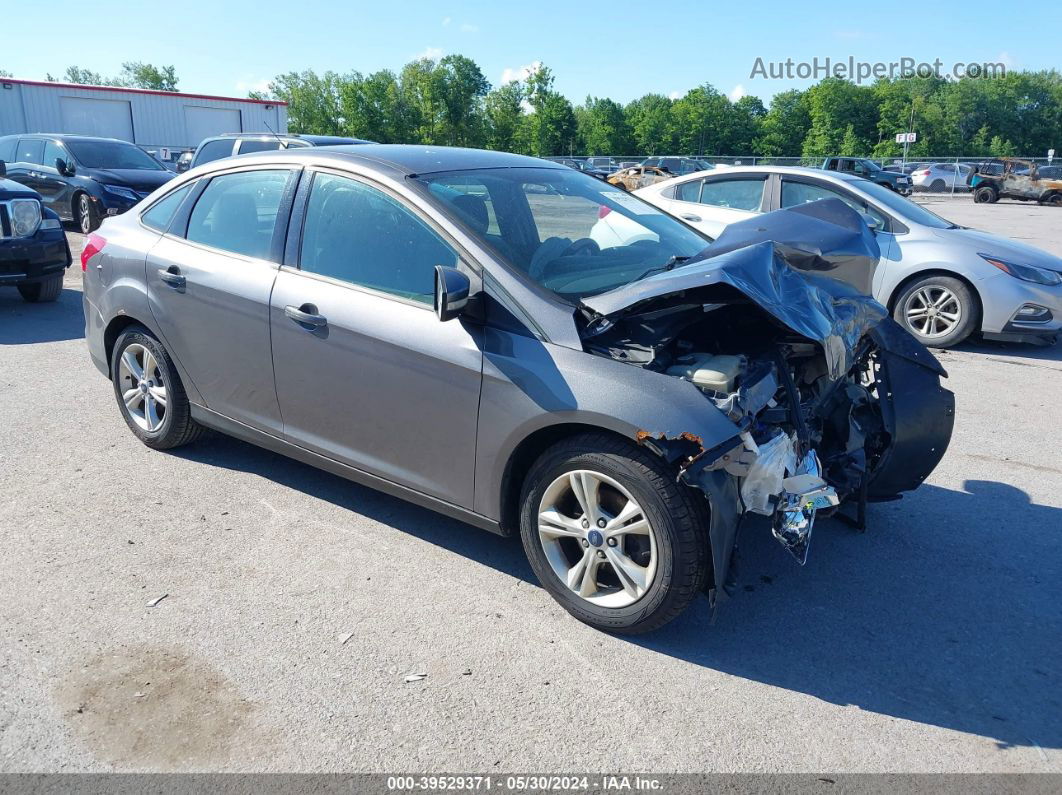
x=942, y=281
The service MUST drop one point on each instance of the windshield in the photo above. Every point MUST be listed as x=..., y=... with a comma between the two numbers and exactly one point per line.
x=570, y=233
x=111, y=154
x=905, y=208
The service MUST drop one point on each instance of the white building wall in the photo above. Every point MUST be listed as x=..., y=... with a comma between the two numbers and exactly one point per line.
x=176, y=121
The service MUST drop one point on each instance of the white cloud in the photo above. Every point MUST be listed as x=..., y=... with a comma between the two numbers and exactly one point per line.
x=737, y=92
x=467, y=28
x=446, y=22
x=250, y=84
x=675, y=95
x=519, y=72
x=434, y=53
x=1006, y=59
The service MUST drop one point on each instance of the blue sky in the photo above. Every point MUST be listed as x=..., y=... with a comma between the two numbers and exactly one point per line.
x=618, y=49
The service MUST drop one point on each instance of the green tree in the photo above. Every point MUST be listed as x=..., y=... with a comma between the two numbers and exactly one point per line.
x=744, y=124
x=701, y=119
x=785, y=126
x=144, y=75
x=603, y=128
x=649, y=119
x=373, y=107
x=314, y=103
x=5, y=73
x=463, y=88
x=85, y=77
x=1001, y=148
x=422, y=93
x=551, y=126
x=505, y=117
x=833, y=106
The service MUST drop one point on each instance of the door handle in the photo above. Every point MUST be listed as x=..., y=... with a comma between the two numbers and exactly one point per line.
x=691, y=217
x=172, y=276
x=306, y=315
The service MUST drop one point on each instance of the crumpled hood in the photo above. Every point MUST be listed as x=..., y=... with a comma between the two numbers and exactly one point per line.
x=790, y=263
x=1004, y=248
x=136, y=178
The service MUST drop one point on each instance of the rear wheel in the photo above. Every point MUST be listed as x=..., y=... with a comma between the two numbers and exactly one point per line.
x=986, y=195
x=940, y=311
x=937, y=185
x=149, y=392
x=88, y=217
x=40, y=292
x=611, y=535
x=1055, y=200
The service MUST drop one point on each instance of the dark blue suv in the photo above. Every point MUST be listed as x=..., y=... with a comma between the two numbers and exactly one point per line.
x=82, y=179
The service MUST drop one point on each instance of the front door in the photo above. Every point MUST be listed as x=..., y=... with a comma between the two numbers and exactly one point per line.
x=365, y=372
x=209, y=286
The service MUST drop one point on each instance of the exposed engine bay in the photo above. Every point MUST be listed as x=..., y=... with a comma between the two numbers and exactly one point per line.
x=830, y=400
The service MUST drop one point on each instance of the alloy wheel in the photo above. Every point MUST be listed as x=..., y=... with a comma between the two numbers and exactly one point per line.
x=84, y=218
x=597, y=539
x=933, y=311
x=142, y=387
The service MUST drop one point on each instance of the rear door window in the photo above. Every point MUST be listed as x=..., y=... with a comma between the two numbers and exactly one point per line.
x=214, y=150
x=238, y=212
x=258, y=146
x=30, y=150
x=689, y=191
x=795, y=193
x=737, y=194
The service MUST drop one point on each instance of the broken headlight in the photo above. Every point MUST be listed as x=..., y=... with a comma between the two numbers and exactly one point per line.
x=25, y=217
x=1026, y=273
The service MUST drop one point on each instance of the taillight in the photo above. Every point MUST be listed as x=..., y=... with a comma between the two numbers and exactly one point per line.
x=603, y=210
x=93, y=246
x=924, y=173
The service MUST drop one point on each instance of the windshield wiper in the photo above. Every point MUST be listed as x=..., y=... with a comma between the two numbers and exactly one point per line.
x=677, y=259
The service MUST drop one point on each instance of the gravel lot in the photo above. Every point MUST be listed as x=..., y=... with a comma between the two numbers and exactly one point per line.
x=297, y=602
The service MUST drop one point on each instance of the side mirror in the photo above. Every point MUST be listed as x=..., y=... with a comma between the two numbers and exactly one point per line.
x=872, y=223
x=182, y=166
x=451, y=292
x=65, y=168
x=3, y=169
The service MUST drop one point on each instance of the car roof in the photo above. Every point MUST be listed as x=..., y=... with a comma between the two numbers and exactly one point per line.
x=410, y=159
x=72, y=137
x=313, y=139
x=794, y=170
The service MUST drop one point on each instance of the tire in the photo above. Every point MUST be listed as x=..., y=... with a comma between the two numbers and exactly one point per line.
x=173, y=426
x=86, y=214
x=986, y=196
x=929, y=290
x=1054, y=200
x=674, y=552
x=937, y=185
x=44, y=291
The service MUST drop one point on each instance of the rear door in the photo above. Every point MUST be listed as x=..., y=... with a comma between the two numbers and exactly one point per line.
x=714, y=202
x=365, y=372
x=209, y=281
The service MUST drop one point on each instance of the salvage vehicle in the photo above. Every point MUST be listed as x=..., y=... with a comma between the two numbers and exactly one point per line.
x=676, y=165
x=80, y=178
x=638, y=177
x=437, y=323
x=942, y=282
x=1013, y=178
x=868, y=169
x=33, y=248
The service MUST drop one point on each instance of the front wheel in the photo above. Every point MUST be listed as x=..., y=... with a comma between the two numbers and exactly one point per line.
x=611, y=535
x=986, y=196
x=940, y=311
x=88, y=217
x=149, y=392
x=40, y=292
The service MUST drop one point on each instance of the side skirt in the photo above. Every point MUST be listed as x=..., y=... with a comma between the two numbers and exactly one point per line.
x=230, y=427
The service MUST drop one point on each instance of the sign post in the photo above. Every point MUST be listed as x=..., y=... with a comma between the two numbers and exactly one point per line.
x=1050, y=156
x=906, y=138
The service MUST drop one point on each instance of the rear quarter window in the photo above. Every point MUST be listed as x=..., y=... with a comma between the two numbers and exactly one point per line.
x=213, y=150
x=159, y=215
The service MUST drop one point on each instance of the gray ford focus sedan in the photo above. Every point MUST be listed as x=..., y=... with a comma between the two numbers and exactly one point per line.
x=457, y=328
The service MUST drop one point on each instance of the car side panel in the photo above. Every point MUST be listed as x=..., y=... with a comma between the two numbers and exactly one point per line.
x=529, y=385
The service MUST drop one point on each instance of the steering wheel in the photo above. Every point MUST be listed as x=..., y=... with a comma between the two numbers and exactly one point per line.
x=583, y=245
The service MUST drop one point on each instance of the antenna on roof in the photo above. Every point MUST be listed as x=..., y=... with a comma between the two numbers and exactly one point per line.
x=274, y=134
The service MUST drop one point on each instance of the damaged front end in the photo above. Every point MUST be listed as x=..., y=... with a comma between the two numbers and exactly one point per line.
x=830, y=401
